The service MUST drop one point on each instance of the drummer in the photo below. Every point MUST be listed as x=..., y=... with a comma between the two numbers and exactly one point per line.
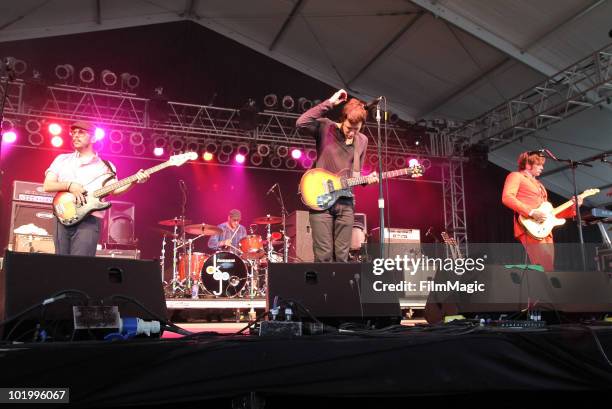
x=231, y=234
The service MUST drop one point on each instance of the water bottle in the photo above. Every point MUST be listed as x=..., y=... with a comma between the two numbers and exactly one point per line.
x=288, y=314
x=194, y=291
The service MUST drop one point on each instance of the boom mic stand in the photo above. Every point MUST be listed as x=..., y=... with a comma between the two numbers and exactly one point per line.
x=381, y=199
x=280, y=200
x=573, y=164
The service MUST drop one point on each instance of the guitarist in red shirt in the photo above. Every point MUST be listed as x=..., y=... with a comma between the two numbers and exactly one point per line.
x=523, y=193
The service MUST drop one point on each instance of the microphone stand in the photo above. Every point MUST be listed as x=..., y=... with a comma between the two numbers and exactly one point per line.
x=573, y=164
x=381, y=199
x=5, y=70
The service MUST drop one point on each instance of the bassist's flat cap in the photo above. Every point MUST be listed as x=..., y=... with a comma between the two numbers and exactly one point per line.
x=85, y=125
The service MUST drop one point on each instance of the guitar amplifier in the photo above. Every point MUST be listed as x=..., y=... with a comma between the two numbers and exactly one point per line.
x=119, y=253
x=405, y=242
x=32, y=192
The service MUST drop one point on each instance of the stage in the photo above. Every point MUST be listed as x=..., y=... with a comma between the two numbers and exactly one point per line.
x=406, y=364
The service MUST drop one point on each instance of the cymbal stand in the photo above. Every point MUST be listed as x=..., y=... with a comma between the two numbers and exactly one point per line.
x=175, y=282
x=280, y=200
x=162, y=259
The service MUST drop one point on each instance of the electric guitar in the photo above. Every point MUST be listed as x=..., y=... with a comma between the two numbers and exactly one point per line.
x=320, y=189
x=452, y=246
x=69, y=213
x=540, y=231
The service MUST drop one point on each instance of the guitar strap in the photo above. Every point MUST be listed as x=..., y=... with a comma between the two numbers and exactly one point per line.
x=113, y=174
x=356, y=164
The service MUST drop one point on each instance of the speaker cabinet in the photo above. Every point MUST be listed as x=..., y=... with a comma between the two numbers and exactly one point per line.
x=300, y=233
x=28, y=279
x=28, y=216
x=118, y=224
x=332, y=292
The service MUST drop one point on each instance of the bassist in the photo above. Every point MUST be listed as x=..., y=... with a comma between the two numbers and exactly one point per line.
x=71, y=172
x=340, y=146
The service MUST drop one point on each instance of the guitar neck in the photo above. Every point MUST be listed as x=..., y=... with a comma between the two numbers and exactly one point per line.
x=360, y=180
x=106, y=190
x=567, y=204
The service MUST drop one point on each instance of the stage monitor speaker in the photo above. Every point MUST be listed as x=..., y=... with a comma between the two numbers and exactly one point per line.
x=29, y=278
x=300, y=233
x=29, y=218
x=332, y=292
x=510, y=290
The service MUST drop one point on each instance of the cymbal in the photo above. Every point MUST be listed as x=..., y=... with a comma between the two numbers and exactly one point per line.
x=163, y=232
x=203, y=228
x=268, y=220
x=177, y=221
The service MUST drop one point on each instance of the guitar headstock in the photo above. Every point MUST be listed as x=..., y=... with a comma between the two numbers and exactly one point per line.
x=178, y=160
x=416, y=170
x=589, y=192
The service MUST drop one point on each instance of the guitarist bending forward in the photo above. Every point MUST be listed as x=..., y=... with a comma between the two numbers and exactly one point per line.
x=523, y=193
x=79, y=172
x=341, y=147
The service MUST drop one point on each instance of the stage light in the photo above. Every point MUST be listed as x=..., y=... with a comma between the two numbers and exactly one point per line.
x=400, y=161
x=116, y=136
x=130, y=81
x=19, y=66
x=57, y=141
x=296, y=153
x=223, y=157
x=311, y=154
x=393, y=118
x=275, y=161
x=99, y=134
x=227, y=148
x=288, y=103
x=282, y=151
x=109, y=78
x=159, y=141
x=270, y=100
x=55, y=129
x=307, y=163
x=192, y=145
x=304, y=104
x=176, y=143
x=86, y=75
x=263, y=150
x=210, y=146
x=413, y=162
x=64, y=71
x=290, y=163
x=9, y=136
x=243, y=149
x=116, y=148
x=138, y=149
x=32, y=126
x=240, y=158
x=159, y=151
x=207, y=156
x=35, y=139
x=256, y=159
x=136, y=138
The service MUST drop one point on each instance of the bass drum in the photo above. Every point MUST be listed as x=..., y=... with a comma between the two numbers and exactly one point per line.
x=224, y=274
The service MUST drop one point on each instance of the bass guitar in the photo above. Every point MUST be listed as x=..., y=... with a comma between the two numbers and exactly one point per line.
x=69, y=213
x=541, y=230
x=320, y=189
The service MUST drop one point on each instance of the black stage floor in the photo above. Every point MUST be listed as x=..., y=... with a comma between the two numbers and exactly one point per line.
x=449, y=363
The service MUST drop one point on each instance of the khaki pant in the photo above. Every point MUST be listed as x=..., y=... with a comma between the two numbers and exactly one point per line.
x=331, y=232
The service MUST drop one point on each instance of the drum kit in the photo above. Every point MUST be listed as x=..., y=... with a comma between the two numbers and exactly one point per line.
x=229, y=272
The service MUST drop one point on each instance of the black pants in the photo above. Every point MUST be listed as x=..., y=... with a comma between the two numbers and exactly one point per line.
x=78, y=240
x=331, y=232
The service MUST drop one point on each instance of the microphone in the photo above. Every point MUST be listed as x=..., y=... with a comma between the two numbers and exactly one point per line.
x=271, y=189
x=550, y=154
x=373, y=103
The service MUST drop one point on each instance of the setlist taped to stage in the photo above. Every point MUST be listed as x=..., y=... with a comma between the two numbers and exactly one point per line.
x=37, y=395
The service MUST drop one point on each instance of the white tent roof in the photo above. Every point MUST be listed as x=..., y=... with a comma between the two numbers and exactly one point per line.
x=452, y=59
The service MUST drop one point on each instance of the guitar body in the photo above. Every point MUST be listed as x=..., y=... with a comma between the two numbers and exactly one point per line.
x=542, y=230
x=320, y=189
x=69, y=213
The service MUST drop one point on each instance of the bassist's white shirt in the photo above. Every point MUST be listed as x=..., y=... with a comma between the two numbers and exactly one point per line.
x=90, y=172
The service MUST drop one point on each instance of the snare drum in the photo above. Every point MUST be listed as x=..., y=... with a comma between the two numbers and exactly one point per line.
x=252, y=247
x=224, y=274
x=197, y=261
